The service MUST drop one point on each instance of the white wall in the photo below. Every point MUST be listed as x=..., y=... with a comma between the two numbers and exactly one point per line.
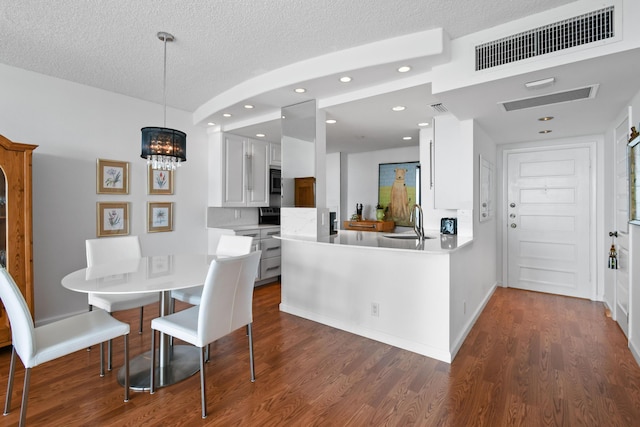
x=74, y=125
x=474, y=269
x=363, y=177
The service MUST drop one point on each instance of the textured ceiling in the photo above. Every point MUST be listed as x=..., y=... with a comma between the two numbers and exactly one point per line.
x=112, y=44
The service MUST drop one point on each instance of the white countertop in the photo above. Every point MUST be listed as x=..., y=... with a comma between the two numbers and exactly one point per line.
x=246, y=227
x=436, y=243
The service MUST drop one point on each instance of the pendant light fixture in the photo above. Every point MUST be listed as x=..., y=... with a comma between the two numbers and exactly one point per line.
x=164, y=148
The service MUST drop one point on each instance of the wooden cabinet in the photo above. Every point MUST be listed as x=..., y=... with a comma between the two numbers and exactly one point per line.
x=238, y=172
x=16, y=238
x=305, y=192
x=369, y=225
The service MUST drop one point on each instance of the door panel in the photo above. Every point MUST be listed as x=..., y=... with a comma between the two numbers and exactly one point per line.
x=622, y=227
x=548, y=212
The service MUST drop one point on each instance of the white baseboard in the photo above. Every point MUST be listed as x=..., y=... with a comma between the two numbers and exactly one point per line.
x=472, y=321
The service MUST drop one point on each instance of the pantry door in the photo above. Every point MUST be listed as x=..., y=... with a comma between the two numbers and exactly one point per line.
x=621, y=233
x=548, y=221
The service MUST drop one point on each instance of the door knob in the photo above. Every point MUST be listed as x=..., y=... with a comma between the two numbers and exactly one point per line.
x=513, y=225
x=513, y=205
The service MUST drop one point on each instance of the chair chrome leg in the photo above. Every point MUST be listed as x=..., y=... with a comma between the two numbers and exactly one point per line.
x=208, y=353
x=126, y=368
x=141, y=317
x=152, y=376
x=25, y=394
x=102, y=359
x=202, y=385
x=253, y=369
x=109, y=356
x=12, y=371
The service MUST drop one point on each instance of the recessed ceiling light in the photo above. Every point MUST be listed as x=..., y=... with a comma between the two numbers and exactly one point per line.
x=423, y=124
x=407, y=138
x=404, y=69
x=248, y=106
x=226, y=115
x=300, y=90
x=211, y=124
x=345, y=79
x=330, y=121
x=545, y=119
x=260, y=135
x=399, y=108
x=545, y=131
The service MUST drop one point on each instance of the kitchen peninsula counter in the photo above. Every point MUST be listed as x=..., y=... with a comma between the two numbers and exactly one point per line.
x=397, y=291
x=435, y=244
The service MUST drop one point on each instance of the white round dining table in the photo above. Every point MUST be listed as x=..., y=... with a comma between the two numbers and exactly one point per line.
x=161, y=273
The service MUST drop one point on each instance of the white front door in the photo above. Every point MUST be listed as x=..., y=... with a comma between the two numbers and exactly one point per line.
x=548, y=221
x=621, y=207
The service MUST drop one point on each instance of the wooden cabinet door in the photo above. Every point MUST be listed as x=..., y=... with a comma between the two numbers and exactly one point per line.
x=305, y=192
x=15, y=161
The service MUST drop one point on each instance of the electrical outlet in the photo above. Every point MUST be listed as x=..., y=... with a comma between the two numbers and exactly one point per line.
x=375, y=309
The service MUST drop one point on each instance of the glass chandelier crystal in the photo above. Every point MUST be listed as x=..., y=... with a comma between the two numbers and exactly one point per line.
x=164, y=148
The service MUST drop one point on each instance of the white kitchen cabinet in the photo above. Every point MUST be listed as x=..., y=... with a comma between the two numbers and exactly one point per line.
x=275, y=154
x=452, y=162
x=269, y=268
x=238, y=171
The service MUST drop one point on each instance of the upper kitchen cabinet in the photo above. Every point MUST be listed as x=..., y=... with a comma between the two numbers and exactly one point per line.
x=238, y=171
x=275, y=154
x=452, y=163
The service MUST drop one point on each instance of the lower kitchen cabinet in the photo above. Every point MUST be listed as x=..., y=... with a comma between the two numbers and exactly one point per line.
x=269, y=268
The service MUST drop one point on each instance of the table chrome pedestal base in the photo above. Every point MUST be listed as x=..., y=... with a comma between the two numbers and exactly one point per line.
x=184, y=362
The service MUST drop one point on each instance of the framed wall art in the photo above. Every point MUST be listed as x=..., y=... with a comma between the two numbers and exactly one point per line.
x=159, y=217
x=112, y=219
x=160, y=181
x=112, y=177
x=398, y=191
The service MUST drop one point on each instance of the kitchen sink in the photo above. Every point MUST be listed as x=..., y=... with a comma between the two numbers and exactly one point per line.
x=405, y=236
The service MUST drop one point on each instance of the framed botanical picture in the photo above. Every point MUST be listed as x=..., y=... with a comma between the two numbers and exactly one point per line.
x=159, y=181
x=159, y=216
x=112, y=177
x=112, y=219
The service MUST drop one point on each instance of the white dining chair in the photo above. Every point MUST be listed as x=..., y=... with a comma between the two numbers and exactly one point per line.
x=226, y=305
x=37, y=345
x=228, y=245
x=114, y=249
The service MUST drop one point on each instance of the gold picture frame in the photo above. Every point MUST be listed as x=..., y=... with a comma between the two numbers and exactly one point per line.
x=112, y=219
x=159, y=181
x=159, y=217
x=112, y=177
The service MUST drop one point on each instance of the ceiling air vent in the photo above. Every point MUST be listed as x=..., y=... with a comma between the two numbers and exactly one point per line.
x=552, y=98
x=588, y=28
x=439, y=108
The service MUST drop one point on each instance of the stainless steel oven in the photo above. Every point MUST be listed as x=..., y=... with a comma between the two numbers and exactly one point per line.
x=275, y=181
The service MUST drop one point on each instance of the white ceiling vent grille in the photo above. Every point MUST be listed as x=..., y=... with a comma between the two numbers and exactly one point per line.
x=588, y=28
x=552, y=98
x=439, y=108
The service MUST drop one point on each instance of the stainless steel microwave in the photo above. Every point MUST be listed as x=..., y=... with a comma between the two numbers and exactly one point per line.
x=275, y=181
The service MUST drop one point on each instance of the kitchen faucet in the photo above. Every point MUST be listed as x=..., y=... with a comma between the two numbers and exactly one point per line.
x=418, y=221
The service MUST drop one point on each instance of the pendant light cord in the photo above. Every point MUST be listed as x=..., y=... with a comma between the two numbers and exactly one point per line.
x=164, y=83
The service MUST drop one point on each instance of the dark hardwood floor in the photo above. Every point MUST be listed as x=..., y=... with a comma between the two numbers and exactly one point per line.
x=531, y=359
